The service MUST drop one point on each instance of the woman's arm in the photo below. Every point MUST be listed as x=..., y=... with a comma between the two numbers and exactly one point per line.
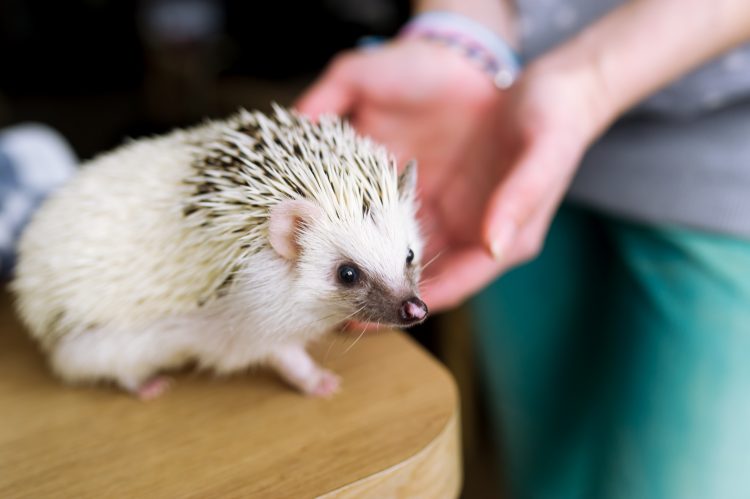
x=644, y=45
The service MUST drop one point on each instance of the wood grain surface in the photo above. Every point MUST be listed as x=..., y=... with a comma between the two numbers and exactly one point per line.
x=393, y=431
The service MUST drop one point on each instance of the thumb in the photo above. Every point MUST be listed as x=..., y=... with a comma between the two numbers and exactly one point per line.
x=514, y=202
x=335, y=92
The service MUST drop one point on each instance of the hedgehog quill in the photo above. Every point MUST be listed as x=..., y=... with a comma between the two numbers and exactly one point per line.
x=228, y=245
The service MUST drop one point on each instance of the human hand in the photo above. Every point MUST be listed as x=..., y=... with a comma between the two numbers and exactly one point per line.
x=420, y=99
x=545, y=124
x=493, y=165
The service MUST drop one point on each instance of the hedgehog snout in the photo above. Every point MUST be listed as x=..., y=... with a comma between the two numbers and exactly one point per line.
x=412, y=311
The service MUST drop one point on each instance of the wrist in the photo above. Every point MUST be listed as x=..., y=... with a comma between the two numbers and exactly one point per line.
x=581, y=73
x=476, y=42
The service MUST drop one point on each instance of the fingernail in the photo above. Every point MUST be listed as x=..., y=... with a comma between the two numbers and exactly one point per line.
x=497, y=250
x=502, y=239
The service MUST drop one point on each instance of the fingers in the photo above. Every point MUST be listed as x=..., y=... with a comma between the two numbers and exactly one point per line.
x=458, y=275
x=464, y=272
x=515, y=203
x=530, y=240
x=510, y=206
x=335, y=92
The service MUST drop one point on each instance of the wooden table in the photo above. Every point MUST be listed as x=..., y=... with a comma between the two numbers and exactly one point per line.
x=391, y=432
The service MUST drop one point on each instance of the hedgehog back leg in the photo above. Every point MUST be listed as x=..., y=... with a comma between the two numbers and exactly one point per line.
x=151, y=388
x=133, y=361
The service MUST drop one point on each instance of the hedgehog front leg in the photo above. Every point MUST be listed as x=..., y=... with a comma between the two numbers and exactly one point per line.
x=298, y=369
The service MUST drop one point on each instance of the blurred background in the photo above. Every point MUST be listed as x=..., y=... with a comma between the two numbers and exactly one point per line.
x=101, y=71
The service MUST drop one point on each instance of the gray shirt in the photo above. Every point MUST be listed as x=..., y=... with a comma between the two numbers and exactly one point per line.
x=682, y=156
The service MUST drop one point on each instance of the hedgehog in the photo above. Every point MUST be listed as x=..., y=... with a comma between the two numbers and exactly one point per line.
x=224, y=246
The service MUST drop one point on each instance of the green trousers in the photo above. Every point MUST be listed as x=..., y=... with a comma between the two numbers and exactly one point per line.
x=617, y=364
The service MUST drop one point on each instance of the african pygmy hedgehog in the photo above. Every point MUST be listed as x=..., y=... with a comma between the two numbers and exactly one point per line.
x=230, y=244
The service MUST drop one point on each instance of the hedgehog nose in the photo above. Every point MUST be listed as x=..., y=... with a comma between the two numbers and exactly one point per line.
x=412, y=311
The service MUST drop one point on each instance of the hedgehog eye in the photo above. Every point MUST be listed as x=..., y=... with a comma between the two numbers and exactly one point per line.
x=348, y=275
x=409, y=257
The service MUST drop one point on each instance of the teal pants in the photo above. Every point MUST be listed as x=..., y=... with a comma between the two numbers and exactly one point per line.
x=617, y=364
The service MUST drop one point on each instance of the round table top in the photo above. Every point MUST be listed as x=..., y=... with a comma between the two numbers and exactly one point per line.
x=392, y=431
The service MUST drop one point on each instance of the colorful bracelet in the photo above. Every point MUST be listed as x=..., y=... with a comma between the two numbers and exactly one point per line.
x=475, y=41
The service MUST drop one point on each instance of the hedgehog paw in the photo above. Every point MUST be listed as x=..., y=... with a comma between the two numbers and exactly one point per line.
x=153, y=388
x=326, y=385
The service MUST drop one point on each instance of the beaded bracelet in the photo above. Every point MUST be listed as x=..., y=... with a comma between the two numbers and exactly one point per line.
x=475, y=41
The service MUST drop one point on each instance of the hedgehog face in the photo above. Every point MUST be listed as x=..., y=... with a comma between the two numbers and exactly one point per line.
x=378, y=277
x=364, y=268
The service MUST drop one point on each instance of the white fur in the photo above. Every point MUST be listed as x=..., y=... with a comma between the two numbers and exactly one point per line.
x=230, y=334
x=117, y=282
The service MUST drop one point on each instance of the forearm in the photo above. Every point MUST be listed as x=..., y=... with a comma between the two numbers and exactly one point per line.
x=497, y=15
x=646, y=44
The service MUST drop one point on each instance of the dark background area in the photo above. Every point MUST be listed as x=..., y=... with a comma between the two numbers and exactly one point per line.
x=101, y=70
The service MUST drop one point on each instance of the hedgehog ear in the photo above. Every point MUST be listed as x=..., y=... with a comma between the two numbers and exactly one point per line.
x=287, y=219
x=407, y=181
